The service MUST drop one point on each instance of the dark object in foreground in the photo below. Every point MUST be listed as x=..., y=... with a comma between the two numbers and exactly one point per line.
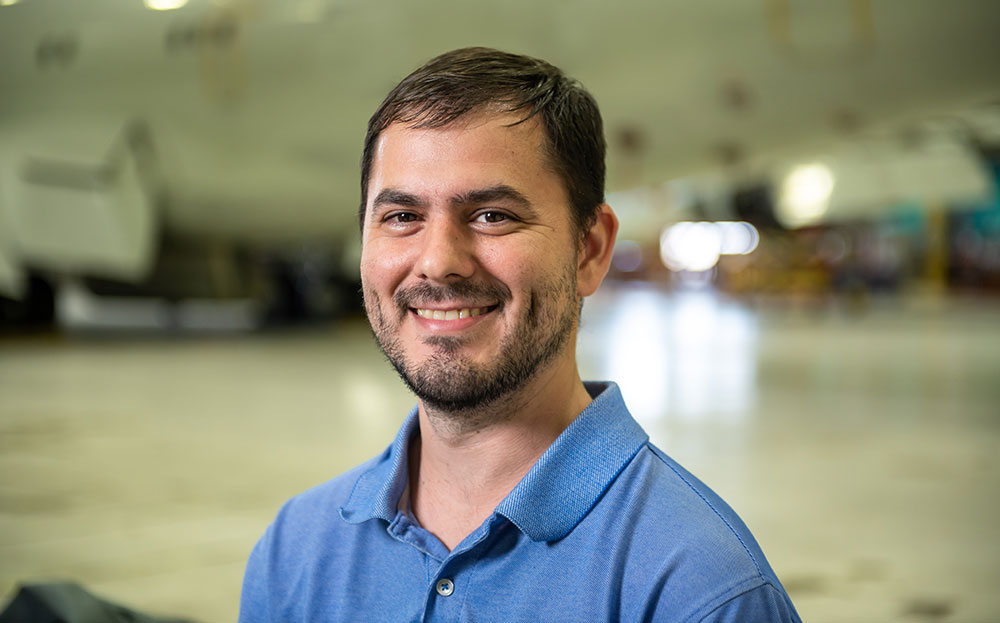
x=68, y=602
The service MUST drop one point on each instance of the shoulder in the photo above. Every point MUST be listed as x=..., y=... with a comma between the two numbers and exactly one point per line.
x=676, y=500
x=309, y=521
x=766, y=603
x=692, y=544
x=306, y=534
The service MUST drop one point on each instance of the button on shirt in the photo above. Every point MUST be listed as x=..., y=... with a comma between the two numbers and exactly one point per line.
x=604, y=527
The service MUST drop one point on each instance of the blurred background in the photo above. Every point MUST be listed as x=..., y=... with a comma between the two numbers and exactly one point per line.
x=803, y=307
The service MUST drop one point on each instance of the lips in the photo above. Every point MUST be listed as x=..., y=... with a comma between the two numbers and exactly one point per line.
x=452, y=314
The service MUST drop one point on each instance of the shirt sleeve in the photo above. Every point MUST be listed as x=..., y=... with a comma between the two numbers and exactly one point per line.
x=764, y=604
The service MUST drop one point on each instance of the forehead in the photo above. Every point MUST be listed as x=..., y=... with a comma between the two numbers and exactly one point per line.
x=484, y=149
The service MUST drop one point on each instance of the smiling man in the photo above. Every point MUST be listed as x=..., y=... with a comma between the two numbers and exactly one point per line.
x=514, y=491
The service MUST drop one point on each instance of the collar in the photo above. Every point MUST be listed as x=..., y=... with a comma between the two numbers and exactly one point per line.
x=555, y=494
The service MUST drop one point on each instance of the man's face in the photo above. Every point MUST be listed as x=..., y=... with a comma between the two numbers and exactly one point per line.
x=469, y=260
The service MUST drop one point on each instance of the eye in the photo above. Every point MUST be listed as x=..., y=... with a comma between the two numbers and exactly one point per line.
x=492, y=216
x=400, y=217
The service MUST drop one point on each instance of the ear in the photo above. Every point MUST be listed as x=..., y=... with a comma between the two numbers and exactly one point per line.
x=595, y=252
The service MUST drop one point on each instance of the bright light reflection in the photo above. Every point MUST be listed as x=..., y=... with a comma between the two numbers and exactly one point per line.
x=696, y=247
x=164, y=5
x=8, y=2
x=713, y=344
x=738, y=237
x=685, y=355
x=636, y=355
x=805, y=194
x=691, y=246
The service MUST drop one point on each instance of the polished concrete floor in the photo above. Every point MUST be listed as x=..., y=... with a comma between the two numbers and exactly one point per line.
x=860, y=444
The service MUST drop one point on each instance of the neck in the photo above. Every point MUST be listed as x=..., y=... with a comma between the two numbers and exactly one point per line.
x=460, y=472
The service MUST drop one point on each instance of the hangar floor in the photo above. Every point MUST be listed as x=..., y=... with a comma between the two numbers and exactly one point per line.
x=862, y=446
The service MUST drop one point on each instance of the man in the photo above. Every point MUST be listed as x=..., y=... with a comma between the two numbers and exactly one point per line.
x=514, y=491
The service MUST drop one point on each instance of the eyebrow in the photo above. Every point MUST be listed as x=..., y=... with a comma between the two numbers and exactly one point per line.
x=491, y=194
x=391, y=196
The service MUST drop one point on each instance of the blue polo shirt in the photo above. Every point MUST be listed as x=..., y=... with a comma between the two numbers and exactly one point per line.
x=604, y=527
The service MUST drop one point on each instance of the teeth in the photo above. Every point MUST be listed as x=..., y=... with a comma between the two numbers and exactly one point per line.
x=451, y=314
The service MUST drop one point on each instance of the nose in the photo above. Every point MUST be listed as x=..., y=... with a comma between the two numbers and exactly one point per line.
x=446, y=253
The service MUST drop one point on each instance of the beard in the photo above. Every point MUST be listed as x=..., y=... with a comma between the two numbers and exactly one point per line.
x=450, y=383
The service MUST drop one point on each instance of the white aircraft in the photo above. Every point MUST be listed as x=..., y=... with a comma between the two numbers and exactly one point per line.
x=165, y=144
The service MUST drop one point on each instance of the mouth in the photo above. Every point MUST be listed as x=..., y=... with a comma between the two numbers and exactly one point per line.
x=452, y=314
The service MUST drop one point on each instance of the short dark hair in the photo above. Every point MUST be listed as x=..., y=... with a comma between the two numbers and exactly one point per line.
x=470, y=80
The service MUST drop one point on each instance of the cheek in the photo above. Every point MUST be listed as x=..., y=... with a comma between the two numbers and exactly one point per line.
x=515, y=269
x=532, y=264
x=382, y=267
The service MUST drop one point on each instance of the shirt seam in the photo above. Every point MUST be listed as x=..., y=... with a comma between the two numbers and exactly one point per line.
x=760, y=572
x=764, y=584
x=752, y=582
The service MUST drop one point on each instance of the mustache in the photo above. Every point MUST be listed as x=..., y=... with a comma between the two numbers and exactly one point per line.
x=467, y=290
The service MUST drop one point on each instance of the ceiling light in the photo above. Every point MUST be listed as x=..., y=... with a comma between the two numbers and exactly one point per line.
x=164, y=5
x=805, y=194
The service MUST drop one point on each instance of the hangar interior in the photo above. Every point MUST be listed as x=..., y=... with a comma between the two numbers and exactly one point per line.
x=802, y=308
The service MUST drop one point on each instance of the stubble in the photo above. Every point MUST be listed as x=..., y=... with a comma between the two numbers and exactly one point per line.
x=468, y=393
